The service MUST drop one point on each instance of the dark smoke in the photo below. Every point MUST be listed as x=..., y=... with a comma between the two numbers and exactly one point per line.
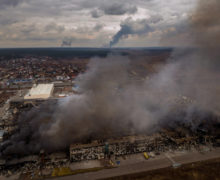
x=111, y=104
x=201, y=68
x=130, y=27
x=206, y=27
x=135, y=27
x=67, y=42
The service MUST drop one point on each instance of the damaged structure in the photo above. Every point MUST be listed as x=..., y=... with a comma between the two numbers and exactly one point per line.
x=160, y=142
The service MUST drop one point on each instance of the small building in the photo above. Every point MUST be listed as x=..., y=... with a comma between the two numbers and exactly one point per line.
x=40, y=91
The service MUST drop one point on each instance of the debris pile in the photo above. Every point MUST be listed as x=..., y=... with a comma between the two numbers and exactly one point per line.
x=160, y=142
x=36, y=165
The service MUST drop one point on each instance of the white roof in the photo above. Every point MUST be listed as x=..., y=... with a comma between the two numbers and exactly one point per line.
x=40, y=91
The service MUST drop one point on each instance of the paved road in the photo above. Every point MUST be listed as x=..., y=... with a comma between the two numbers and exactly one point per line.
x=146, y=165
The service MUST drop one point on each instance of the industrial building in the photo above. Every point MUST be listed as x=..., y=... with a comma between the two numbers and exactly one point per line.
x=40, y=91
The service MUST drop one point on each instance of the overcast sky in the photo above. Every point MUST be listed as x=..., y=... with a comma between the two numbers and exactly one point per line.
x=93, y=23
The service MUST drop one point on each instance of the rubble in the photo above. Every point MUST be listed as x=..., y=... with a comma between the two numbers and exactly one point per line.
x=32, y=164
x=124, y=146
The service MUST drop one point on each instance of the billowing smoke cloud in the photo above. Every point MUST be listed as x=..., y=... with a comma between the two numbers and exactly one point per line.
x=205, y=31
x=206, y=27
x=197, y=71
x=134, y=27
x=111, y=104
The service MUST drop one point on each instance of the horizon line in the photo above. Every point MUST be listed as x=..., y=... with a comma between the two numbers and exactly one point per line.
x=129, y=47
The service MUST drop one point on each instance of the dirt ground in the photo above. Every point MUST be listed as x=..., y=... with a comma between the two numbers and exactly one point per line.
x=204, y=170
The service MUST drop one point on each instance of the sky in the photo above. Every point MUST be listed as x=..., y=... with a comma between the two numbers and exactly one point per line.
x=93, y=23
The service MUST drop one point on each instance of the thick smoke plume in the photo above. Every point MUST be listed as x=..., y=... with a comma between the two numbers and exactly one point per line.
x=131, y=27
x=206, y=27
x=112, y=104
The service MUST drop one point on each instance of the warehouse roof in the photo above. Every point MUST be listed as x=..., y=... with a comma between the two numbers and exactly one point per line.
x=40, y=91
